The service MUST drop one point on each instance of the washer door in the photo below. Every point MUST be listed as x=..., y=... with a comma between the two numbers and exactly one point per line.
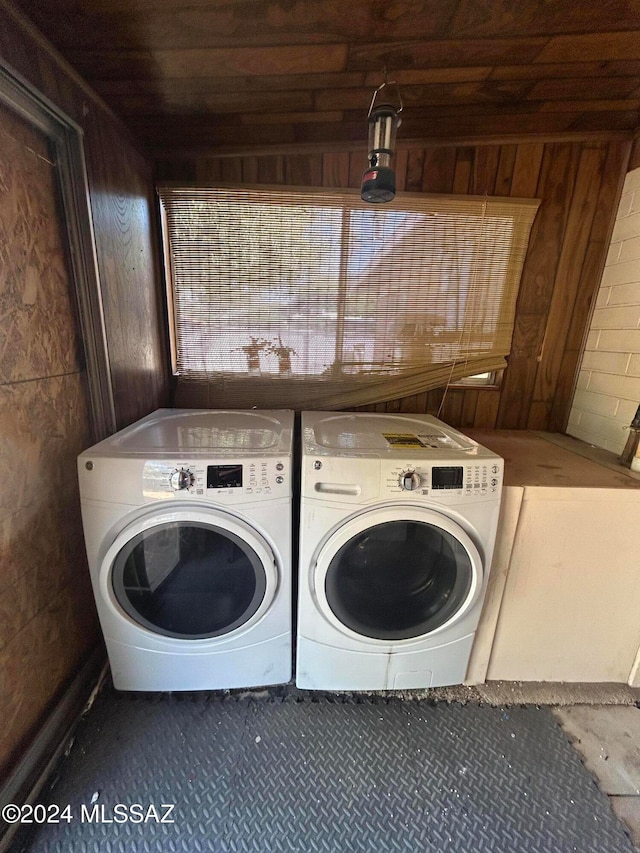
x=397, y=573
x=191, y=574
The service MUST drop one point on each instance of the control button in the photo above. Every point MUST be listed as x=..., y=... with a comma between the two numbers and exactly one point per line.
x=181, y=479
x=279, y=466
x=494, y=482
x=494, y=469
x=409, y=481
x=279, y=479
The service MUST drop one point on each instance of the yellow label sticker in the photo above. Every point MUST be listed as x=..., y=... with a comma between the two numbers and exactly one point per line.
x=402, y=439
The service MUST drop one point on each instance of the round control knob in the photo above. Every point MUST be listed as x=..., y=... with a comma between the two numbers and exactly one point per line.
x=182, y=479
x=409, y=481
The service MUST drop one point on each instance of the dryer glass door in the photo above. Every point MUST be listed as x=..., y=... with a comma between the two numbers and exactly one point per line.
x=401, y=578
x=189, y=579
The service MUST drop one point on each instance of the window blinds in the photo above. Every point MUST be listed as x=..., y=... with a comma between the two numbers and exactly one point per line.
x=310, y=299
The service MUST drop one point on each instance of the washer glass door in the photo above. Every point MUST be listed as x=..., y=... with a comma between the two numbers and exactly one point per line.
x=189, y=579
x=401, y=578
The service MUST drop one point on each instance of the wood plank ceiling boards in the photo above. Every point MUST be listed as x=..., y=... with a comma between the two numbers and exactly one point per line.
x=236, y=74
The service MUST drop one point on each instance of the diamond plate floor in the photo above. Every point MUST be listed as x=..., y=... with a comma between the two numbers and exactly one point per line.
x=326, y=774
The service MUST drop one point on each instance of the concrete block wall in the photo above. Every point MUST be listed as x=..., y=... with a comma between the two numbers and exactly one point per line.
x=608, y=390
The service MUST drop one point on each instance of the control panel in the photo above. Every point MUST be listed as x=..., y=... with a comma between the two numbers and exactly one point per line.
x=477, y=478
x=360, y=480
x=256, y=479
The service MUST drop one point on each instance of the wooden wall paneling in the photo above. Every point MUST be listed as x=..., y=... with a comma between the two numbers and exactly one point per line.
x=485, y=167
x=486, y=414
x=303, y=170
x=19, y=52
x=469, y=406
x=250, y=170
x=407, y=404
x=400, y=167
x=560, y=407
x=163, y=167
x=183, y=169
x=231, y=170
x=634, y=157
x=463, y=170
x=123, y=210
x=438, y=170
x=557, y=176
x=434, y=400
x=207, y=171
x=415, y=166
x=504, y=174
x=271, y=169
x=414, y=403
x=613, y=172
x=567, y=278
x=452, y=406
x=526, y=170
x=335, y=169
x=520, y=375
x=357, y=164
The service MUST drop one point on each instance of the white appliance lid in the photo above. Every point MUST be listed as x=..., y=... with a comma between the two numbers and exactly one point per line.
x=201, y=430
x=386, y=432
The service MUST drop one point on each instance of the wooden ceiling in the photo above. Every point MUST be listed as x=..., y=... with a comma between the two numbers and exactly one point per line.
x=236, y=74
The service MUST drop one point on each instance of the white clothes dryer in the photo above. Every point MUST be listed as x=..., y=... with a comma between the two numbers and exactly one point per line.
x=187, y=523
x=398, y=521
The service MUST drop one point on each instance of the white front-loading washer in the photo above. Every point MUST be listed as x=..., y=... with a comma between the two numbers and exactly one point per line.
x=398, y=519
x=187, y=524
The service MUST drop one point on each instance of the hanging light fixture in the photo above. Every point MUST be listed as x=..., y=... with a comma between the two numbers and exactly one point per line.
x=379, y=180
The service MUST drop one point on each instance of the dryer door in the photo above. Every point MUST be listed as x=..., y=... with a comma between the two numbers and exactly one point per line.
x=397, y=573
x=190, y=574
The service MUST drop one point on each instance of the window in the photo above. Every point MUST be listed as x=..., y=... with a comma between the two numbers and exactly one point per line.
x=320, y=300
x=481, y=380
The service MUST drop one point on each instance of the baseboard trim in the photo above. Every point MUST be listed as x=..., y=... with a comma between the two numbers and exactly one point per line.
x=29, y=776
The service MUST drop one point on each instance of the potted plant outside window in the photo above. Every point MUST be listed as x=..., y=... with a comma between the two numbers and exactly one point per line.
x=283, y=353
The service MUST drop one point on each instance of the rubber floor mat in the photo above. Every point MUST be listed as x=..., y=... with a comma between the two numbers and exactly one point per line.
x=322, y=774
